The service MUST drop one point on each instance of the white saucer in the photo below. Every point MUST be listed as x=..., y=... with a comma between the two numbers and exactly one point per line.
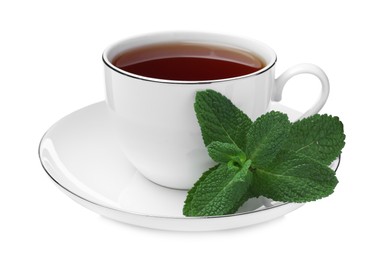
x=82, y=158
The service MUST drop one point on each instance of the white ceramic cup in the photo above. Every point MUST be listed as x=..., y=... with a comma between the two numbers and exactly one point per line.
x=155, y=119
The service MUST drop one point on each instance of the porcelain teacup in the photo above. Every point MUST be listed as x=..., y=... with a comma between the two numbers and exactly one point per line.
x=154, y=118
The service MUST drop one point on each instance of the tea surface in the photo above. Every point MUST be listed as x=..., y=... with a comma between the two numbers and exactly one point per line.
x=188, y=61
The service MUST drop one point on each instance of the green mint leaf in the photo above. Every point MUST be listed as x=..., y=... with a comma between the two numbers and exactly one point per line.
x=266, y=137
x=294, y=178
x=220, y=120
x=245, y=197
x=189, y=198
x=271, y=157
x=224, y=153
x=219, y=192
x=319, y=137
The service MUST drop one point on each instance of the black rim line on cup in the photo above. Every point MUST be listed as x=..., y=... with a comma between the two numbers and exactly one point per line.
x=168, y=81
x=156, y=216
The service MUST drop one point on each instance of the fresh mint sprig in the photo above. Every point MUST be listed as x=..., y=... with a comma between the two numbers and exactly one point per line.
x=270, y=157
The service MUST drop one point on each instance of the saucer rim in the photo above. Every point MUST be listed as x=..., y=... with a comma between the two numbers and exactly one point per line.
x=280, y=204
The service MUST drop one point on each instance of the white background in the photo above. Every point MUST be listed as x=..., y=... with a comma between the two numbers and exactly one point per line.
x=50, y=66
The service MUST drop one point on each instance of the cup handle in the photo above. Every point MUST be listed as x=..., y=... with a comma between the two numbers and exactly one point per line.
x=304, y=68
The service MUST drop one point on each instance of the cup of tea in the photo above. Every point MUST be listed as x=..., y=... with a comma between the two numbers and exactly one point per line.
x=151, y=82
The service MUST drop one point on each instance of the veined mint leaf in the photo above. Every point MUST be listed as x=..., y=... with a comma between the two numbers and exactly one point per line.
x=220, y=120
x=224, y=152
x=219, y=192
x=266, y=137
x=270, y=157
x=189, y=198
x=245, y=197
x=294, y=178
x=319, y=137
